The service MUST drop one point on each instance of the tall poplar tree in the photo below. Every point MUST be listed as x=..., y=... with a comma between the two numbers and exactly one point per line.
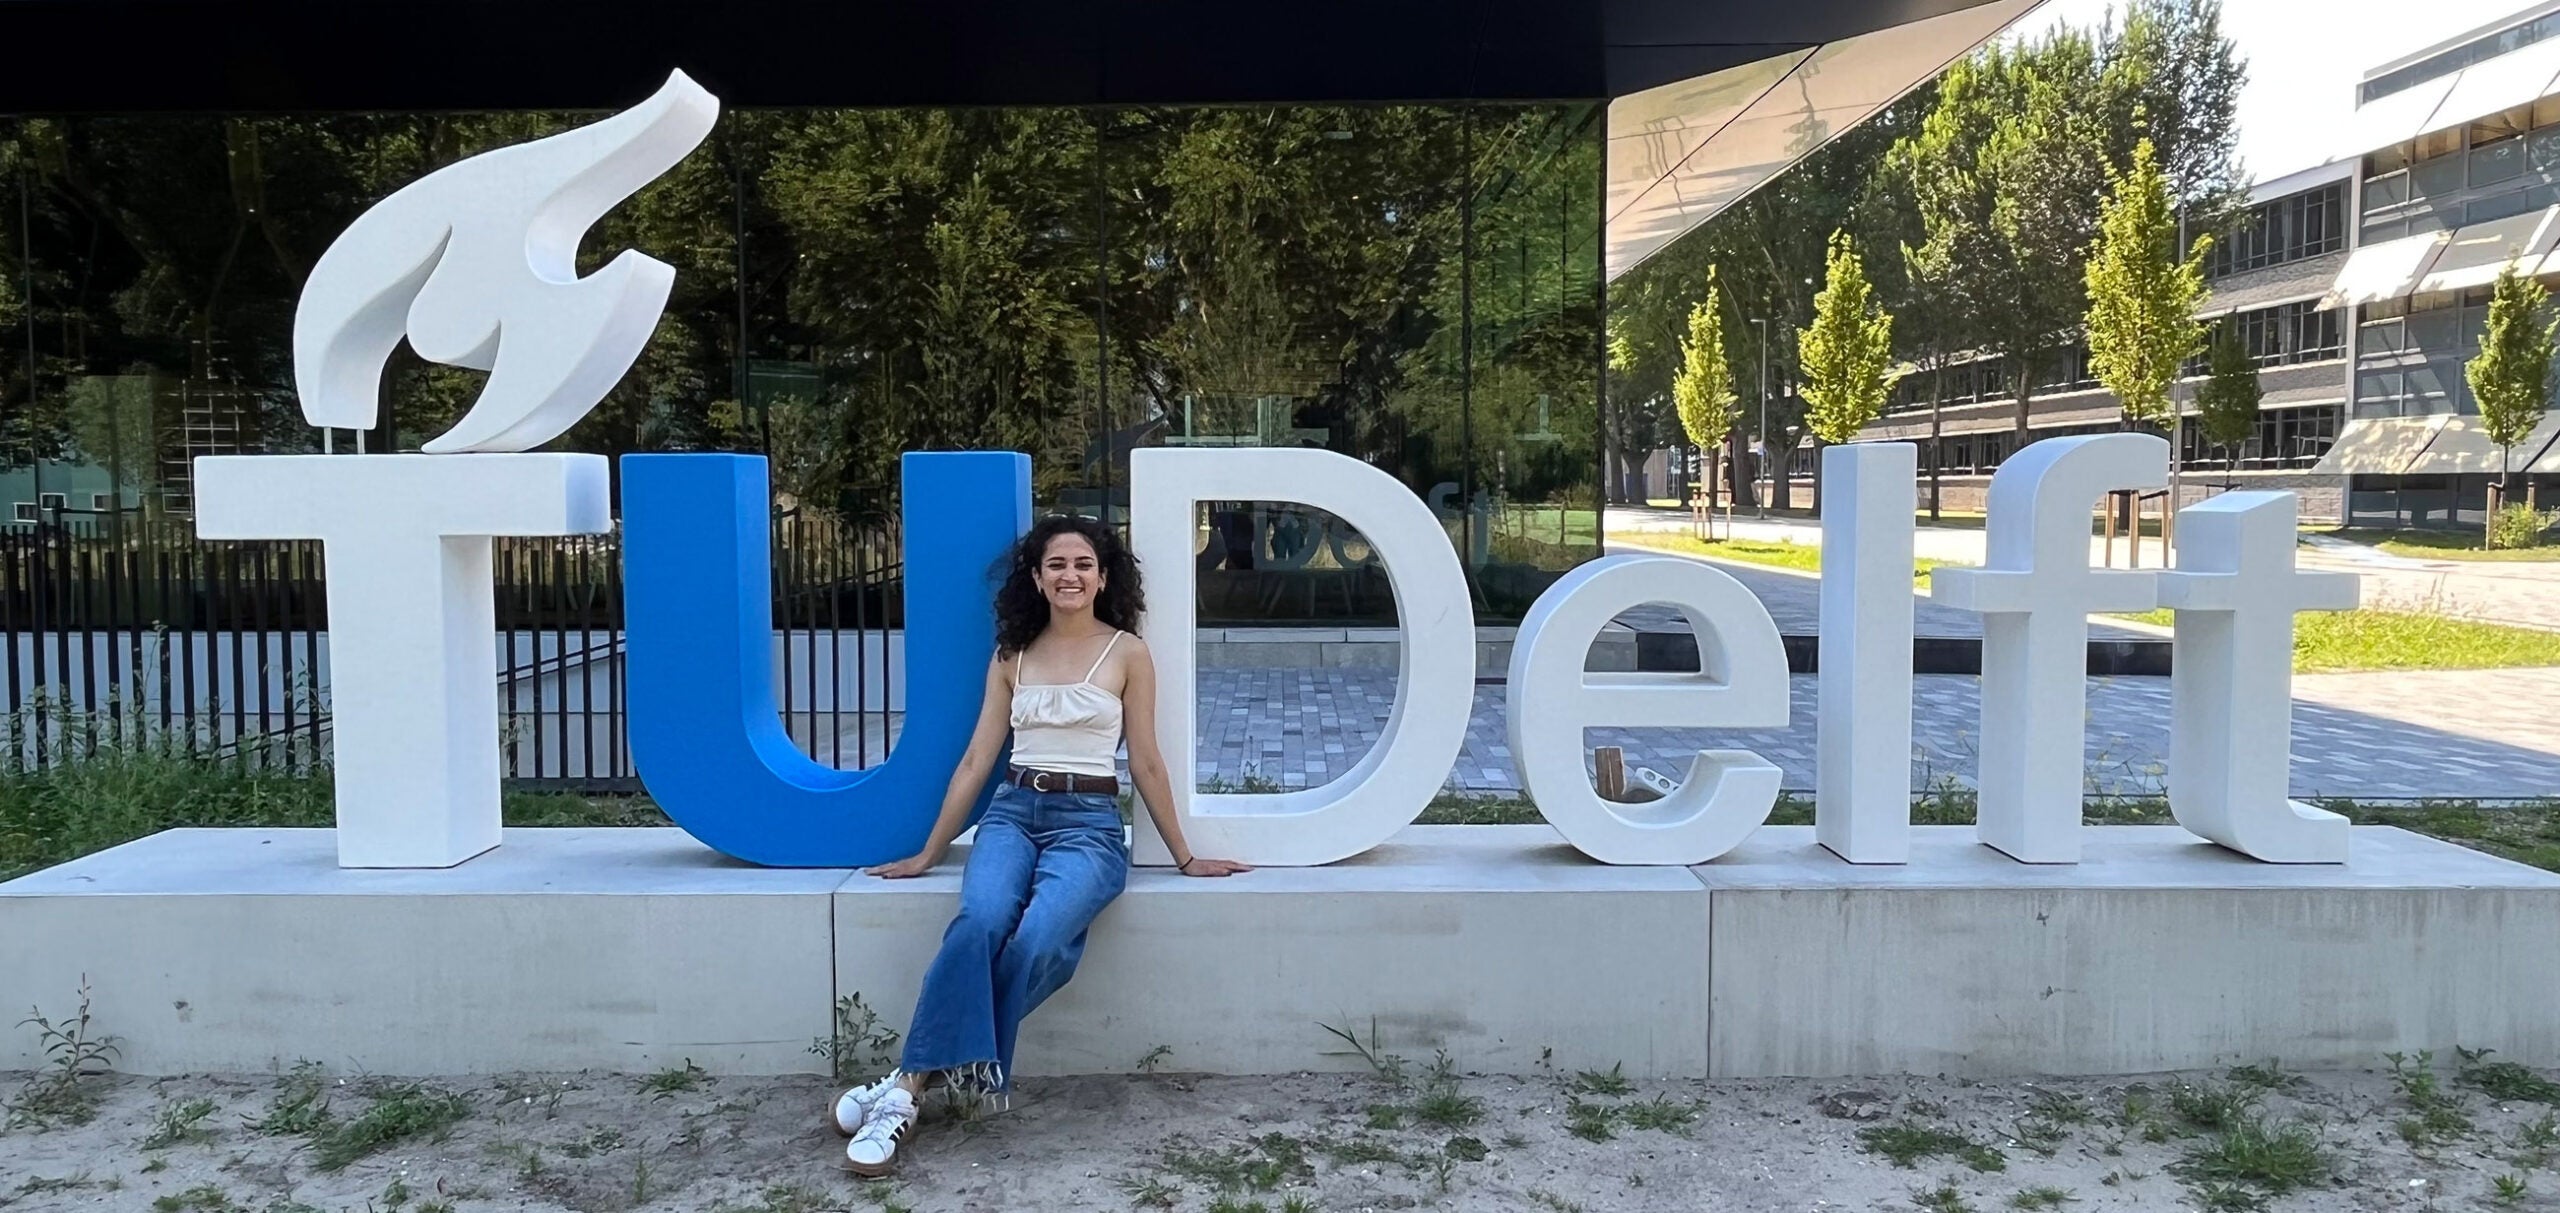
x=1847, y=353
x=2227, y=401
x=1702, y=392
x=2142, y=298
x=2511, y=376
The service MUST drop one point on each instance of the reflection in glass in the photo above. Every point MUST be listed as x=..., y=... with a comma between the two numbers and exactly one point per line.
x=1417, y=287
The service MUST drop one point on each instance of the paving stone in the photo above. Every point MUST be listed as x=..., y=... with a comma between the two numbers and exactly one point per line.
x=2337, y=752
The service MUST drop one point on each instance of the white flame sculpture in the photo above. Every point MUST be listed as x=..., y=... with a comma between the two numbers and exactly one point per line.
x=475, y=266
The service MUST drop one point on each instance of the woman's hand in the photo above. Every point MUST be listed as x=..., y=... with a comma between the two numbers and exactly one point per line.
x=1213, y=867
x=913, y=865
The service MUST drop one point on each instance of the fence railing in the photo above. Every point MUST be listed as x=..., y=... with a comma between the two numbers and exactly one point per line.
x=131, y=632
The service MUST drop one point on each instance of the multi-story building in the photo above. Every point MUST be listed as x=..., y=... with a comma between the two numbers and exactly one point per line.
x=2360, y=286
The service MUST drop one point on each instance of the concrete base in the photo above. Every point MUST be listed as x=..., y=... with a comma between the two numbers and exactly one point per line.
x=629, y=950
x=1496, y=943
x=638, y=949
x=2157, y=951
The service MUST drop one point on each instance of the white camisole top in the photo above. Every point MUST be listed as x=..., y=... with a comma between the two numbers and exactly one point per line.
x=1069, y=727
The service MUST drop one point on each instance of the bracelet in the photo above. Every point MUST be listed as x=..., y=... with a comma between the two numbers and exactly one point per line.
x=1185, y=866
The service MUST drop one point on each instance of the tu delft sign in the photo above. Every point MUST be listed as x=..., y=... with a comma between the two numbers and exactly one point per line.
x=473, y=265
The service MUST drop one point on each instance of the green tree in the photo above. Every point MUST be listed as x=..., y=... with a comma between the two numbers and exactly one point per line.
x=1769, y=249
x=2227, y=401
x=1702, y=393
x=1847, y=353
x=2171, y=76
x=2511, y=376
x=2141, y=321
x=2005, y=173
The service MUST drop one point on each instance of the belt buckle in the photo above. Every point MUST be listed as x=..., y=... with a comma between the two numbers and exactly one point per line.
x=1040, y=781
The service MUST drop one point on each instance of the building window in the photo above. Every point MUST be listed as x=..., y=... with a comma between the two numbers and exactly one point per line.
x=2286, y=333
x=2285, y=438
x=2513, y=202
x=2445, y=63
x=2287, y=229
x=2497, y=148
x=2439, y=167
x=24, y=511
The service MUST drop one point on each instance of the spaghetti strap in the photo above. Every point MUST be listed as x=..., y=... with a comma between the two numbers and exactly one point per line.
x=1106, y=656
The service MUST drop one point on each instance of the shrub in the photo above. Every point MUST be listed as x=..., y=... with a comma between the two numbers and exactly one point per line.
x=2521, y=526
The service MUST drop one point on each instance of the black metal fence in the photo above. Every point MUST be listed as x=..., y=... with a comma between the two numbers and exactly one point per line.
x=130, y=632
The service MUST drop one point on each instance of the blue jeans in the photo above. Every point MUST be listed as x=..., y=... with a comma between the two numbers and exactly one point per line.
x=1044, y=864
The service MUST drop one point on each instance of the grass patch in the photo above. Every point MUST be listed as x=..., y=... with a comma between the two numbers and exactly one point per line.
x=674, y=1080
x=1258, y=1165
x=202, y=1198
x=1458, y=809
x=1612, y=1081
x=2444, y=545
x=1801, y=557
x=2436, y=1115
x=75, y=1054
x=2213, y=1106
x=179, y=1123
x=1591, y=1120
x=2058, y=1107
x=2375, y=638
x=1662, y=1114
x=400, y=1113
x=2526, y=832
x=2379, y=639
x=1941, y=1199
x=301, y=1104
x=2504, y=1081
x=863, y=1044
x=2267, y=1077
x=108, y=795
x=2254, y=1157
x=1906, y=1143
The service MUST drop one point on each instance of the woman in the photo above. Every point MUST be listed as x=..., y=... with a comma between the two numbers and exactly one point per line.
x=1050, y=852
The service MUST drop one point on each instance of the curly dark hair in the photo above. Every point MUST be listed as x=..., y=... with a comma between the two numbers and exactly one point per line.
x=1022, y=613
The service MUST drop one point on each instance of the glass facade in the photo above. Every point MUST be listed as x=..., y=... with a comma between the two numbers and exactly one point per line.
x=2410, y=353
x=2446, y=62
x=2285, y=229
x=2503, y=165
x=2285, y=438
x=1418, y=287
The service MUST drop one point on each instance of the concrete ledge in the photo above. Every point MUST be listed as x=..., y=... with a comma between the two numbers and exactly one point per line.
x=637, y=949
x=2159, y=951
x=1493, y=942
x=563, y=949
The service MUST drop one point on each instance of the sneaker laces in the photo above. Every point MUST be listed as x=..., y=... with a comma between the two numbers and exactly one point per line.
x=890, y=1117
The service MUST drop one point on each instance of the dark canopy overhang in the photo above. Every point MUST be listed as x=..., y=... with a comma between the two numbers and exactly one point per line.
x=1708, y=98
x=238, y=55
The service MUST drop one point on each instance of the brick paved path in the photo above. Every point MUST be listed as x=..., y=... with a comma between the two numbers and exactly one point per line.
x=2354, y=734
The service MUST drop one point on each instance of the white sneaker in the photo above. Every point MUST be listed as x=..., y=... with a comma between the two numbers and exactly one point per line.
x=873, y=1152
x=854, y=1106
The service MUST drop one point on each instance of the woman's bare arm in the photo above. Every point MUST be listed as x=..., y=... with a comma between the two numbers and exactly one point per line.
x=995, y=721
x=1147, y=767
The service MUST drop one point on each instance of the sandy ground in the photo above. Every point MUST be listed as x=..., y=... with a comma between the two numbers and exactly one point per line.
x=594, y=1141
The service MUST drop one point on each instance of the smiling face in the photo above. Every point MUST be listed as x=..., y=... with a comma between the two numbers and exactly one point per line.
x=1070, y=574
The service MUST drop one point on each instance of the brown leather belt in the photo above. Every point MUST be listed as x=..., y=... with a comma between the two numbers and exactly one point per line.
x=1061, y=781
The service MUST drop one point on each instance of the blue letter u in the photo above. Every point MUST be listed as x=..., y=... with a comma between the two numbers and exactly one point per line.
x=698, y=618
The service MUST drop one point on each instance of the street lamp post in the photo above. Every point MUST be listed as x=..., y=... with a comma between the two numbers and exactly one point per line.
x=1761, y=497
